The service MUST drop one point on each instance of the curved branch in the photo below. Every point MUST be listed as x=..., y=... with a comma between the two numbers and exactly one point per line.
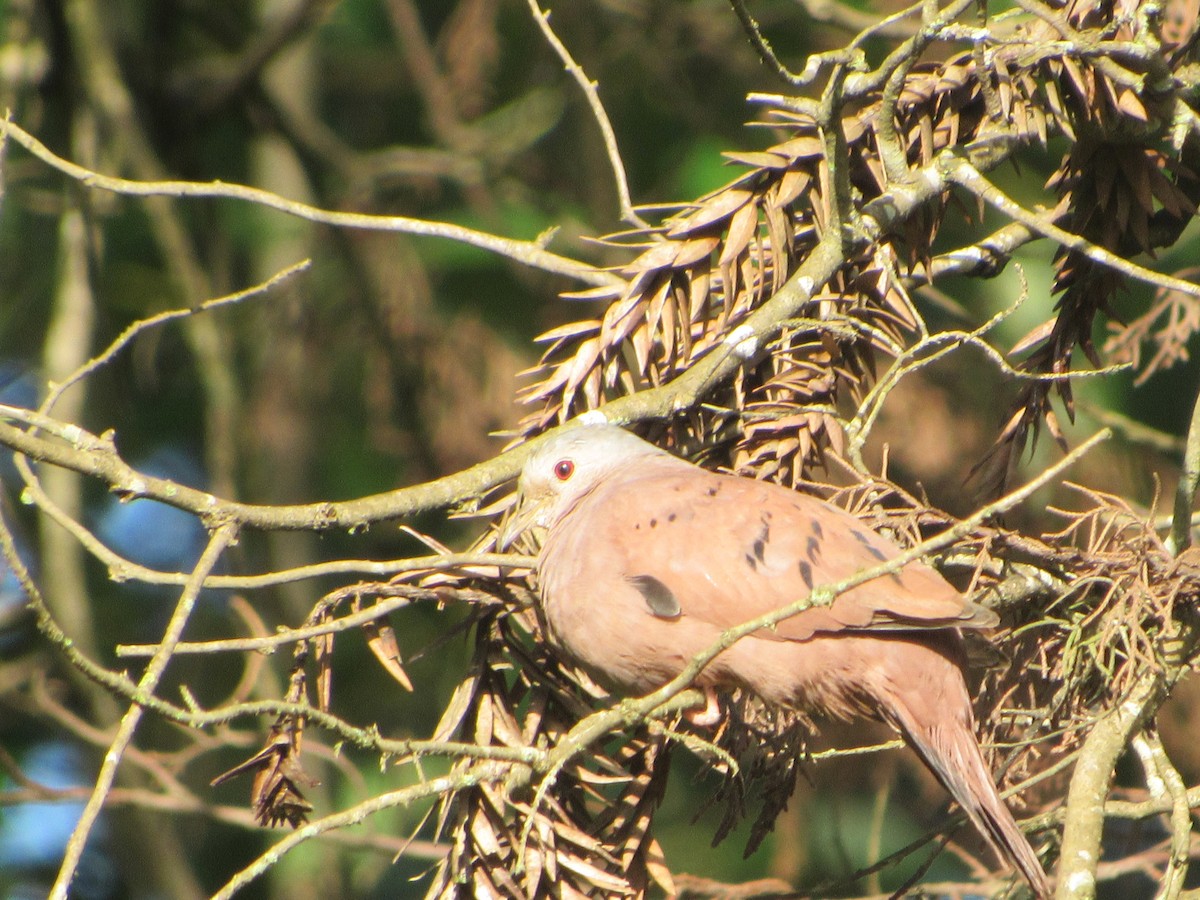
x=530, y=253
x=964, y=174
x=225, y=535
x=628, y=214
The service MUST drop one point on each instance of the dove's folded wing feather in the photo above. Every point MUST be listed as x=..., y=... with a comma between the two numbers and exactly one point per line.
x=726, y=550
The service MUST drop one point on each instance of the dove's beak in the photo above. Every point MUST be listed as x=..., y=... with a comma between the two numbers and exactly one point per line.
x=525, y=514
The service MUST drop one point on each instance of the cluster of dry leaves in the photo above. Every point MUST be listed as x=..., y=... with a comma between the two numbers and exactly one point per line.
x=590, y=833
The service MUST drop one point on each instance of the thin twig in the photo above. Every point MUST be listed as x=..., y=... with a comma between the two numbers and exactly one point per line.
x=141, y=325
x=530, y=253
x=1173, y=879
x=964, y=174
x=592, y=95
x=355, y=815
x=122, y=569
x=407, y=596
x=223, y=536
x=765, y=52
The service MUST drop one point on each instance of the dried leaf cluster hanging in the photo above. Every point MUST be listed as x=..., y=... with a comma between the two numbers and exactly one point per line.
x=1120, y=195
x=588, y=837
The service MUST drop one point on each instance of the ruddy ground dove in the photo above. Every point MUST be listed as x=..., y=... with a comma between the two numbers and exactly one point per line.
x=648, y=559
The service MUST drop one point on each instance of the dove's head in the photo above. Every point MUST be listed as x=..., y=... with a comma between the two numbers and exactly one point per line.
x=568, y=466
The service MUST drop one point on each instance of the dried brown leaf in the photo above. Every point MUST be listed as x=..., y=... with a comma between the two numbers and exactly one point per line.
x=758, y=160
x=1037, y=335
x=742, y=229
x=382, y=641
x=795, y=181
x=1131, y=105
x=721, y=206
x=570, y=330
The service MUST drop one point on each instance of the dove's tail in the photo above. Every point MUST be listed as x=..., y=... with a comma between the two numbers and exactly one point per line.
x=939, y=726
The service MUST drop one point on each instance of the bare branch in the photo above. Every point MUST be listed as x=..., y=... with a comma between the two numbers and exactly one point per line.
x=963, y=173
x=221, y=539
x=530, y=253
x=590, y=92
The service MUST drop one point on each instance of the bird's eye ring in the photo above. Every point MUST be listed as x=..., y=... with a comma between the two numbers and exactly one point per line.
x=564, y=469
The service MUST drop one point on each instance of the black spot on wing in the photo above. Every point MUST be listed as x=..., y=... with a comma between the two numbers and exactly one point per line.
x=805, y=573
x=672, y=517
x=659, y=598
x=812, y=549
x=869, y=547
x=759, y=547
x=817, y=529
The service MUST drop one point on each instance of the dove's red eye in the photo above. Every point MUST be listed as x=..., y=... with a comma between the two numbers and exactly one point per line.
x=564, y=469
